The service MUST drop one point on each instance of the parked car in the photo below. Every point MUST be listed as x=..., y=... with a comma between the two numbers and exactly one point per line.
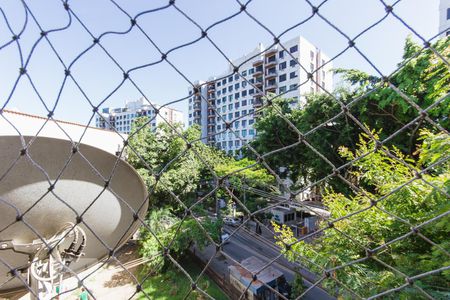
x=232, y=221
x=225, y=238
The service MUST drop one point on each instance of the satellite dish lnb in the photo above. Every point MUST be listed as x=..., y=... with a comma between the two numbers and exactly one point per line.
x=80, y=216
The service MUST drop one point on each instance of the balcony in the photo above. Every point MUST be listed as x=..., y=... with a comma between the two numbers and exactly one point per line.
x=271, y=74
x=258, y=62
x=258, y=83
x=257, y=102
x=258, y=72
x=271, y=63
x=271, y=86
x=271, y=52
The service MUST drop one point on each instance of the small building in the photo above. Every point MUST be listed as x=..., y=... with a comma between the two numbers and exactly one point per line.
x=241, y=277
x=284, y=215
x=301, y=218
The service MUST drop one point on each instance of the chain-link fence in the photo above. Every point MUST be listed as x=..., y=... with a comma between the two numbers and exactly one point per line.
x=338, y=192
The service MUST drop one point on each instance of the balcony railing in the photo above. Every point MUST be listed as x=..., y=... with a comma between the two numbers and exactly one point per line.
x=258, y=62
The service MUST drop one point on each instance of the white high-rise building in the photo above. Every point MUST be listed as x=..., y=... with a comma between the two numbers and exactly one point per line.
x=444, y=18
x=234, y=99
x=121, y=118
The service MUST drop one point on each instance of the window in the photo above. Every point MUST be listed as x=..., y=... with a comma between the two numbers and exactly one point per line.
x=292, y=87
x=218, y=84
x=312, y=55
x=251, y=91
x=282, y=66
x=251, y=71
x=236, y=124
x=230, y=106
x=293, y=49
x=293, y=75
x=250, y=112
x=282, y=89
x=236, y=86
x=237, y=143
x=448, y=13
x=218, y=101
x=230, y=79
x=244, y=93
x=236, y=114
x=292, y=63
x=244, y=84
x=244, y=102
x=236, y=96
x=282, y=78
x=236, y=105
x=281, y=54
x=218, y=93
x=244, y=73
x=244, y=132
x=224, y=90
x=190, y=99
x=230, y=98
x=224, y=81
x=244, y=123
x=230, y=88
x=230, y=116
x=251, y=131
x=236, y=76
x=244, y=112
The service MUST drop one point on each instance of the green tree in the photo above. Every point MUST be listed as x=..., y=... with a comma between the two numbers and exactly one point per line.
x=423, y=77
x=370, y=227
x=175, y=234
x=176, y=165
x=171, y=161
x=298, y=286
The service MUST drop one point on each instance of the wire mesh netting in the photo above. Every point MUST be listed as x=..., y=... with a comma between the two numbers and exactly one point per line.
x=332, y=192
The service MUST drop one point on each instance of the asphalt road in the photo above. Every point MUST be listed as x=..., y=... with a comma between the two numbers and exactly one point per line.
x=244, y=244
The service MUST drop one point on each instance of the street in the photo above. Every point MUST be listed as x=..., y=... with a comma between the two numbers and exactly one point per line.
x=244, y=243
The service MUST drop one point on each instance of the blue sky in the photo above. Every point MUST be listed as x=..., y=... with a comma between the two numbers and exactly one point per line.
x=98, y=75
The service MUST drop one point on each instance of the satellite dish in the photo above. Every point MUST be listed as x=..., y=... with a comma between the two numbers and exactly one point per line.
x=108, y=218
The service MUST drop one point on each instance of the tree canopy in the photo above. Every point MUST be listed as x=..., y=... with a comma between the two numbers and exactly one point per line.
x=406, y=202
x=375, y=102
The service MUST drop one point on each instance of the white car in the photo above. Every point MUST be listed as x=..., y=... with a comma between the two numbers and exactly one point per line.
x=231, y=221
x=225, y=237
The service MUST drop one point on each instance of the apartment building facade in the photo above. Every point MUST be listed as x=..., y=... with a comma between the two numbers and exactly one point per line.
x=444, y=18
x=121, y=118
x=226, y=106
